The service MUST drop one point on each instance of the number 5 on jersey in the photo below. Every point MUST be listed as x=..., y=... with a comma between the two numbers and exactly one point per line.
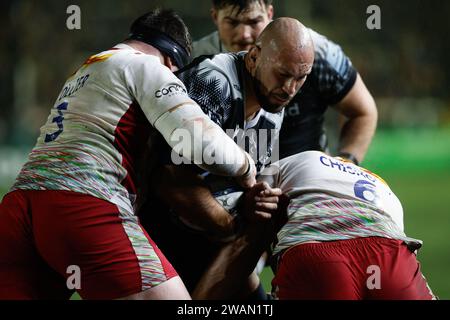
x=59, y=122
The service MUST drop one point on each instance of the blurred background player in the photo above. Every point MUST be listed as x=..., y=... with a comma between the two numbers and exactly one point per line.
x=73, y=203
x=333, y=82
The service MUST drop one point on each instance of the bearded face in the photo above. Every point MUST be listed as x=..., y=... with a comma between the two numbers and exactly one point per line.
x=271, y=99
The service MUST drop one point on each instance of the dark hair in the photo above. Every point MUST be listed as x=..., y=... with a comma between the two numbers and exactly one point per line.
x=165, y=21
x=241, y=5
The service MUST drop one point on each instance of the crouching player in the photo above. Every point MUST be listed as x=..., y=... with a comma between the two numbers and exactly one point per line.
x=343, y=239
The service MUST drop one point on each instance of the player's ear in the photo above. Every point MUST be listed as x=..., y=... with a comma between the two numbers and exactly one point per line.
x=213, y=13
x=270, y=12
x=253, y=54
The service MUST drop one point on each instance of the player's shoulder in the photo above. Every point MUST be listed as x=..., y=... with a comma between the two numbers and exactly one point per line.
x=227, y=63
x=137, y=65
x=218, y=68
x=112, y=63
x=321, y=43
x=123, y=55
x=333, y=73
x=123, y=61
x=327, y=51
x=221, y=62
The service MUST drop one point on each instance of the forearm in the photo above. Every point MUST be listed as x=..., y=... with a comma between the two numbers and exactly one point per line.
x=236, y=260
x=232, y=266
x=198, y=207
x=361, y=114
x=192, y=200
x=196, y=137
x=356, y=136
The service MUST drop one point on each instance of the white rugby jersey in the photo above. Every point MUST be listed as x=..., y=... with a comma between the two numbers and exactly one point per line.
x=99, y=127
x=334, y=200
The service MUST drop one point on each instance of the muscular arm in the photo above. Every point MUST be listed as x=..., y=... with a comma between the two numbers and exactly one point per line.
x=234, y=263
x=232, y=266
x=190, y=197
x=360, y=111
x=182, y=122
x=187, y=193
x=231, y=272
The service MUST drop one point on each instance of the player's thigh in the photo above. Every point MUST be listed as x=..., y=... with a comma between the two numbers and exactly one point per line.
x=23, y=273
x=189, y=253
x=310, y=271
x=172, y=289
x=92, y=241
x=401, y=276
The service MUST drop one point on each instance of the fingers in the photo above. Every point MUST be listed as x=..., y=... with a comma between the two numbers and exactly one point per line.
x=263, y=189
x=262, y=202
x=266, y=206
x=267, y=199
x=272, y=204
x=260, y=187
x=268, y=191
x=269, y=195
x=262, y=214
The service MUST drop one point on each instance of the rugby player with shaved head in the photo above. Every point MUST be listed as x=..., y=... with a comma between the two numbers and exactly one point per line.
x=333, y=81
x=244, y=93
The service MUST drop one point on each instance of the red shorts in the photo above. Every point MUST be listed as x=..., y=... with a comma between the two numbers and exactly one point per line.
x=363, y=268
x=44, y=233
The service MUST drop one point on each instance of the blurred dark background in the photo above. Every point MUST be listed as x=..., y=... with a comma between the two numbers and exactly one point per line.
x=405, y=65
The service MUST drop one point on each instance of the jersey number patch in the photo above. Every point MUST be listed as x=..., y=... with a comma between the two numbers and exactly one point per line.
x=59, y=122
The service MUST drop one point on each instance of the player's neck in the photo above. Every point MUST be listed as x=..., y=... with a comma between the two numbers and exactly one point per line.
x=145, y=48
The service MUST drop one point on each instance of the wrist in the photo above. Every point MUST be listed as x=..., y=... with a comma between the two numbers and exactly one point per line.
x=349, y=156
x=233, y=230
x=238, y=224
x=248, y=166
x=237, y=217
x=247, y=170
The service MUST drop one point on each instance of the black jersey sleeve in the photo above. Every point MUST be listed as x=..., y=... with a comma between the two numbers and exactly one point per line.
x=334, y=72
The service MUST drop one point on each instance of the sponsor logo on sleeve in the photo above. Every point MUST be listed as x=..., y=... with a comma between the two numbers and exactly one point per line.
x=171, y=90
